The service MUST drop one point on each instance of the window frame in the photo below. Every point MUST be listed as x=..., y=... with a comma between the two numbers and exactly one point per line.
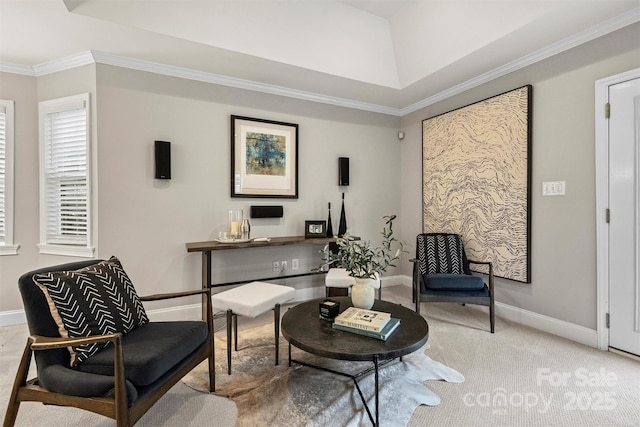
x=46, y=108
x=7, y=244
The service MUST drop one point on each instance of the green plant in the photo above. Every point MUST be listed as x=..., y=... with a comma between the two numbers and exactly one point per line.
x=363, y=260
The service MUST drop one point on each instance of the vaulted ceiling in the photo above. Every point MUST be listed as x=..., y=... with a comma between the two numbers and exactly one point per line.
x=386, y=55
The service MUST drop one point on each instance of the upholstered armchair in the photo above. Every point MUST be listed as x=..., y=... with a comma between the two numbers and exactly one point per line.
x=441, y=273
x=96, y=349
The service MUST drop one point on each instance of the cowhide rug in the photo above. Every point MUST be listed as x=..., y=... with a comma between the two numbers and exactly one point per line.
x=271, y=395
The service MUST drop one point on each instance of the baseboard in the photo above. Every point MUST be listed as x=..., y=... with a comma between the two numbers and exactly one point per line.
x=548, y=324
x=180, y=312
x=192, y=311
x=393, y=281
x=183, y=312
x=13, y=317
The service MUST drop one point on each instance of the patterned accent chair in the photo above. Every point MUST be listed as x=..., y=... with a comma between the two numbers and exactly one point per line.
x=441, y=273
x=96, y=349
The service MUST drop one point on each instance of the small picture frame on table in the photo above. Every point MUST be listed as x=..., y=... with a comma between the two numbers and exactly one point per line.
x=314, y=229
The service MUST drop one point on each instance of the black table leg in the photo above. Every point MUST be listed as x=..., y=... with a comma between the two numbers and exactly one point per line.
x=229, y=339
x=276, y=322
x=355, y=377
x=375, y=363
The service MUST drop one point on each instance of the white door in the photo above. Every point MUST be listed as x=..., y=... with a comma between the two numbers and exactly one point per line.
x=624, y=203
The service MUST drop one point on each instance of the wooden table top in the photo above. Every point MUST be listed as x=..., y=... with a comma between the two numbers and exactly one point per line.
x=214, y=245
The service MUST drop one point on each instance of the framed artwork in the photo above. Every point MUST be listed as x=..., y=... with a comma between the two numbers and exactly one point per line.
x=476, y=167
x=264, y=158
x=315, y=229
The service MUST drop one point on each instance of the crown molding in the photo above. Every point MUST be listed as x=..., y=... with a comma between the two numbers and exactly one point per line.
x=218, y=79
x=585, y=36
x=62, y=64
x=8, y=67
x=91, y=57
x=54, y=66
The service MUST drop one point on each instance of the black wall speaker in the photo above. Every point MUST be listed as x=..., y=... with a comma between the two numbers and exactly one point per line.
x=163, y=160
x=266, y=211
x=343, y=171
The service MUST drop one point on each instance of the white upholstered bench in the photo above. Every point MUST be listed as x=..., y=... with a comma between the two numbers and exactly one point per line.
x=251, y=300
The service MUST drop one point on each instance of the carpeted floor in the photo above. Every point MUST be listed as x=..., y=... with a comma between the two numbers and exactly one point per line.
x=516, y=377
x=520, y=376
x=266, y=394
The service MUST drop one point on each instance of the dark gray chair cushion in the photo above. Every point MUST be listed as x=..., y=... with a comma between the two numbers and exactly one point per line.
x=461, y=295
x=62, y=379
x=453, y=282
x=150, y=350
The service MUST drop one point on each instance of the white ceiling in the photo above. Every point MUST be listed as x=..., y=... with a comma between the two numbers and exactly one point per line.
x=384, y=55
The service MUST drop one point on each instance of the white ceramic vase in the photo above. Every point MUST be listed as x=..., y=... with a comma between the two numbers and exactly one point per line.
x=363, y=293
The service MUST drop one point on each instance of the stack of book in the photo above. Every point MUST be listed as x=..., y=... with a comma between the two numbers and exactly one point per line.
x=370, y=323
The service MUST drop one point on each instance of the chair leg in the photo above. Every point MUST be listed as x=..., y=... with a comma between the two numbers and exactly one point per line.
x=122, y=409
x=212, y=366
x=229, y=322
x=20, y=381
x=492, y=316
x=276, y=321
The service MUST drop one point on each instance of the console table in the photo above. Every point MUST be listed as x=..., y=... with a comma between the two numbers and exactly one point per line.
x=207, y=247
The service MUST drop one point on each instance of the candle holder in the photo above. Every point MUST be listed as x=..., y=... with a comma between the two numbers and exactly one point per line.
x=234, y=228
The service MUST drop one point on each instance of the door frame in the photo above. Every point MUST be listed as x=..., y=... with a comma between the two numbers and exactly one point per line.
x=602, y=200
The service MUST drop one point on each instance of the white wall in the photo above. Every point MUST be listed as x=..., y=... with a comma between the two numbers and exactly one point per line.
x=146, y=222
x=23, y=91
x=563, y=237
x=27, y=92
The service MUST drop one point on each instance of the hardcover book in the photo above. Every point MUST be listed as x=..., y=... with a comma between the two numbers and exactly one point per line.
x=388, y=329
x=359, y=318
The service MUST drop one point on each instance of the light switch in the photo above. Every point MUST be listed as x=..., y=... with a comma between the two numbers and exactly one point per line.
x=554, y=188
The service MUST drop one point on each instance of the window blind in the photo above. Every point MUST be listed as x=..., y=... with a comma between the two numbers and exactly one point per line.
x=65, y=177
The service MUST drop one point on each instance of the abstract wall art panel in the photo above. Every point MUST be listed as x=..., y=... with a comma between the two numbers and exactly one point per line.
x=476, y=179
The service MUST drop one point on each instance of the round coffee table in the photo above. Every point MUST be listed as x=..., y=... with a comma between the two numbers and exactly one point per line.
x=303, y=328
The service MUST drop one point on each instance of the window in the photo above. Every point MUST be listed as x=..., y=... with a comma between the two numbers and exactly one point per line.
x=65, y=195
x=6, y=179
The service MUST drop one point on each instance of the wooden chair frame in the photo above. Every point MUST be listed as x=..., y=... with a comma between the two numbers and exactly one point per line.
x=116, y=407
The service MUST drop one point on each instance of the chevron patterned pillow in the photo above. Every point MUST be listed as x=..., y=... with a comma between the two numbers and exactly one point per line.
x=98, y=299
x=443, y=253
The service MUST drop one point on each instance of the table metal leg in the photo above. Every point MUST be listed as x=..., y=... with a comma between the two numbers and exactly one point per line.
x=206, y=279
x=276, y=322
x=377, y=364
x=229, y=339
